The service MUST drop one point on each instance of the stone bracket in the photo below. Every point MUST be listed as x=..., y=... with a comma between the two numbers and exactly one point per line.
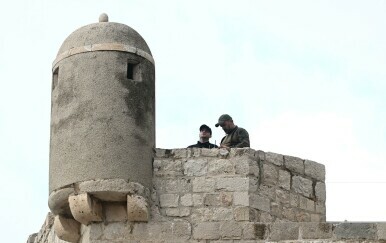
x=85, y=208
x=66, y=229
x=137, y=209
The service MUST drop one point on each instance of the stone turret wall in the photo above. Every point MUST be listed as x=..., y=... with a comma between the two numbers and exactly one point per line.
x=214, y=185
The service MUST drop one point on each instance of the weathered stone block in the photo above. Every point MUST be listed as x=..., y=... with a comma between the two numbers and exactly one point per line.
x=212, y=200
x=241, y=213
x=201, y=214
x=314, y=170
x=241, y=165
x=276, y=209
x=115, y=212
x=206, y=231
x=232, y=184
x=284, y=179
x=218, y=199
x=315, y=218
x=381, y=231
x=276, y=159
x=198, y=199
x=137, y=208
x=85, y=209
x=294, y=164
x=179, y=153
x=162, y=153
x=284, y=231
x=222, y=214
x=253, y=231
x=302, y=216
x=302, y=186
x=178, y=212
x=265, y=217
x=209, y=152
x=320, y=207
x=270, y=175
x=307, y=204
x=170, y=167
x=67, y=229
x=311, y=230
x=181, y=230
x=166, y=185
x=187, y=200
x=115, y=231
x=260, y=202
x=253, y=185
x=230, y=230
x=241, y=199
x=221, y=167
x=96, y=231
x=283, y=197
x=320, y=191
x=294, y=200
x=184, y=185
x=202, y=184
x=268, y=191
x=289, y=213
x=196, y=167
x=169, y=200
x=355, y=231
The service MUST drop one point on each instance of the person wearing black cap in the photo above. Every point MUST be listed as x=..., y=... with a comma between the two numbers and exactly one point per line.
x=236, y=137
x=205, y=134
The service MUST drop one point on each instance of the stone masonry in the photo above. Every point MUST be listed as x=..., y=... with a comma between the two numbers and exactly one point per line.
x=241, y=195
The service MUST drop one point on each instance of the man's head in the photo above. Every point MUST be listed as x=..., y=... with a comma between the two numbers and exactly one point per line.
x=205, y=132
x=226, y=122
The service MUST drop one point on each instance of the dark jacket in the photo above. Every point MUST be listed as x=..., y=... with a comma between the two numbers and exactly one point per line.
x=203, y=145
x=237, y=138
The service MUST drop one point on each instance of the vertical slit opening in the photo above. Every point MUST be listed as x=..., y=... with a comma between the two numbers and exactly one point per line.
x=130, y=70
x=55, y=76
x=134, y=70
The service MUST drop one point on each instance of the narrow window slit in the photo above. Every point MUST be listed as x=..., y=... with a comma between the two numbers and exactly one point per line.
x=130, y=70
x=134, y=70
x=55, y=76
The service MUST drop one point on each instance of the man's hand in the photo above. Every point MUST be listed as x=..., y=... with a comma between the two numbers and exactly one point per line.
x=224, y=146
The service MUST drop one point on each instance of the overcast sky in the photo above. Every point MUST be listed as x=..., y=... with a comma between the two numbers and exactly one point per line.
x=305, y=78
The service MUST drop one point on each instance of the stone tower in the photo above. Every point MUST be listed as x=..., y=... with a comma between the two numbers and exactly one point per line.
x=102, y=119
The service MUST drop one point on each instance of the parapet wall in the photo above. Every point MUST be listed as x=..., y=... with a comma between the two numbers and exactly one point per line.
x=216, y=195
x=240, y=185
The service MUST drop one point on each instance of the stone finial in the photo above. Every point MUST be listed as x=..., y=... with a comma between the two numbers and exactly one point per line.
x=103, y=18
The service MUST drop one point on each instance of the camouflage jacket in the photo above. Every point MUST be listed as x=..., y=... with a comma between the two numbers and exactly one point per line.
x=237, y=138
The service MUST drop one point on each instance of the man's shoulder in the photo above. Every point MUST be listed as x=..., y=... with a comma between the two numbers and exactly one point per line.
x=213, y=145
x=240, y=129
x=194, y=146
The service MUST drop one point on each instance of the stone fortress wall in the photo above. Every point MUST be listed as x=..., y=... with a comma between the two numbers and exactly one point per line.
x=241, y=195
x=107, y=184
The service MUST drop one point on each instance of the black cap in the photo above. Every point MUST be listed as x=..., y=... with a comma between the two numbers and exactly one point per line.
x=205, y=127
x=222, y=119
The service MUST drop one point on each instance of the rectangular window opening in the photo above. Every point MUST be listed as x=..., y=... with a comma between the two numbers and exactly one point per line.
x=55, y=76
x=134, y=70
x=130, y=70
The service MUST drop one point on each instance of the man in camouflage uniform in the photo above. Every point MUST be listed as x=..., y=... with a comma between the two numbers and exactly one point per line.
x=236, y=137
